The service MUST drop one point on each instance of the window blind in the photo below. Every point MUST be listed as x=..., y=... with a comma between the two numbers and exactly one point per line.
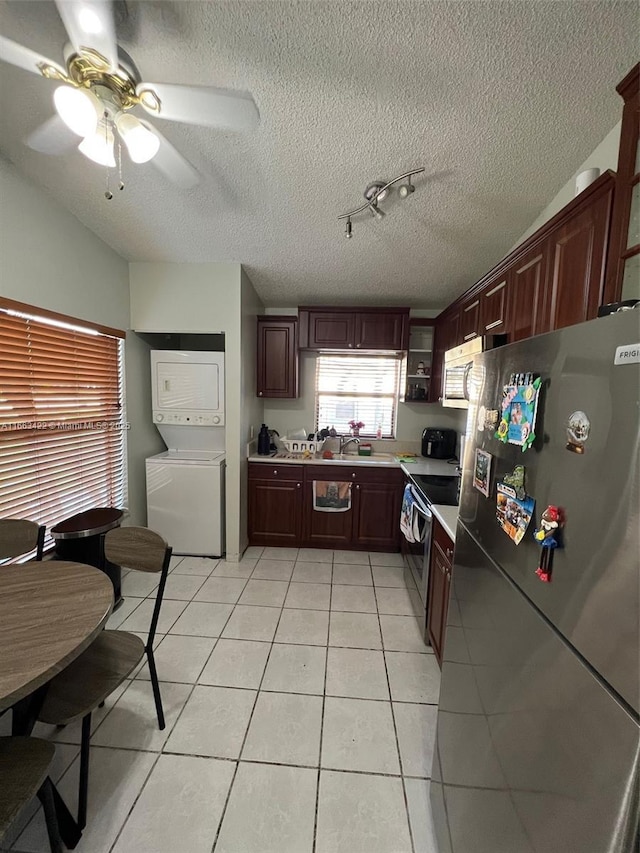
x=61, y=417
x=360, y=388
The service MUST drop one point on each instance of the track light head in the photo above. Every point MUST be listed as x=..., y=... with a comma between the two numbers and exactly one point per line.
x=347, y=230
x=375, y=210
x=405, y=190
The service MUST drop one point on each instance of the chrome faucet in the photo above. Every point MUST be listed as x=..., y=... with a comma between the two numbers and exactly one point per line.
x=345, y=441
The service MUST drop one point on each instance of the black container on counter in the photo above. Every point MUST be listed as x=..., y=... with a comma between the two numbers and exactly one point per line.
x=264, y=441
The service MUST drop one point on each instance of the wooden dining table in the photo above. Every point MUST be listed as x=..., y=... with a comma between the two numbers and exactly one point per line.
x=49, y=614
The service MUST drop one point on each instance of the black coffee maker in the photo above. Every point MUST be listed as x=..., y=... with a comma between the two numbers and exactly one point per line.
x=439, y=443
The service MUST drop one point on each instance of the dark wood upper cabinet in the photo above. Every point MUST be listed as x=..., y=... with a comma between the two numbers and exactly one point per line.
x=577, y=256
x=623, y=259
x=527, y=294
x=470, y=319
x=493, y=307
x=331, y=330
x=352, y=328
x=446, y=336
x=382, y=331
x=277, y=357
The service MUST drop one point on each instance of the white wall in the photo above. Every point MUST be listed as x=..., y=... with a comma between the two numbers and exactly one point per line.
x=210, y=297
x=49, y=259
x=604, y=157
x=251, y=406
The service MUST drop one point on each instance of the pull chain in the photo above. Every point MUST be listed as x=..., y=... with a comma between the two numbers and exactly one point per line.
x=121, y=184
x=108, y=194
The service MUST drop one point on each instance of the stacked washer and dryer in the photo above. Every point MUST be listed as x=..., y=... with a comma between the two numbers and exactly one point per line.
x=185, y=483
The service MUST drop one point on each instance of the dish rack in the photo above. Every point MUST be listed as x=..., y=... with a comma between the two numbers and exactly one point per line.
x=297, y=446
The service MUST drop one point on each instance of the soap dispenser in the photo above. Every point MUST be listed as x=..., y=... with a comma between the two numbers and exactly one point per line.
x=264, y=441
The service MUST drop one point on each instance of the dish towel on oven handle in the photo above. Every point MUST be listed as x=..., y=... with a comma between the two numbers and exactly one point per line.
x=407, y=514
x=331, y=496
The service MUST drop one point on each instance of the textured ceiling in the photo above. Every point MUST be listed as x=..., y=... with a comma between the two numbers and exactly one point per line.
x=499, y=101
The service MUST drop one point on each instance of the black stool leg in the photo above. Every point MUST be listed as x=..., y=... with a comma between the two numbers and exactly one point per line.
x=45, y=795
x=83, y=791
x=156, y=688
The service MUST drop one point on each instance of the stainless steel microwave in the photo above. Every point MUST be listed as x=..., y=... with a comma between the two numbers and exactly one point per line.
x=455, y=374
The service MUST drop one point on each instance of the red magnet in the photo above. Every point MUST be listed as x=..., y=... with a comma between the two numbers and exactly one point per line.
x=548, y=536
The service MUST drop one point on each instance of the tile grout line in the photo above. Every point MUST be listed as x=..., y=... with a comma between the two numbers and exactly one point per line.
x=246, y=733
x=395, y=731
x=161, y=751
x=324, y=699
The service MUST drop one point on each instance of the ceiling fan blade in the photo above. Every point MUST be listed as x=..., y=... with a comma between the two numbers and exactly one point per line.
x=24, y=57
x=202, y=105
x=52, y=137
x=171, y=162
x=89, y=24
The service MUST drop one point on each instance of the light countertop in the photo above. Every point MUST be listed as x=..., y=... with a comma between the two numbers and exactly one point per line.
x=422, y=466
x=448, y=518
x=379, y=460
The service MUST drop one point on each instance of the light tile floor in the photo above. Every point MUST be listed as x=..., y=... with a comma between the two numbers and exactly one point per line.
x=300, y=702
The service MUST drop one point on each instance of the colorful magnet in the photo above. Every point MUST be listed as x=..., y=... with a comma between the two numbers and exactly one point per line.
x=482, y=472
x=516, y=480
x=519, y=410
x=578, y=427
x=513, y=514
x=549, y=537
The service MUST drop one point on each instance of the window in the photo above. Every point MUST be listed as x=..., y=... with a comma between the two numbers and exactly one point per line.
x=61, y=415
x=358, y=387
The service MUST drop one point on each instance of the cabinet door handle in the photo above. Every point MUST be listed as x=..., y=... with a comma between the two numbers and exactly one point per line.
x=275, y=470
x=357, y=487
x=358, y=345
x=350, y=345
x=442, y=569
x=470, y=335
x=493, y=325
x=298, y=485
x=259, y=393
x=353, y=476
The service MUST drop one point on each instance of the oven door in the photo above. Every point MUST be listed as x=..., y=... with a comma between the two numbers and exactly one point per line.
x=417, y=553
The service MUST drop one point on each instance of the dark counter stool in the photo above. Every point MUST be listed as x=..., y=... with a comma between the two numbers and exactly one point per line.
x=78, y=539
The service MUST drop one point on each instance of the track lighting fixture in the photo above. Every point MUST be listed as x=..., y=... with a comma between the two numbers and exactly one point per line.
x=378, y=191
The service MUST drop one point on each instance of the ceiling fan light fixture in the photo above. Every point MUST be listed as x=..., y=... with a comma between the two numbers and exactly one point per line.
x=99, y=147
x=79, y=109
x=90, y=21
x=142, y=143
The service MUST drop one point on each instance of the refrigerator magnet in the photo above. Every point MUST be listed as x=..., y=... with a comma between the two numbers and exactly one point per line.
x=491, y=418
x=519, y=410
x=549, y=537
x=513, y=514
x=482, y=472
x=578, y=427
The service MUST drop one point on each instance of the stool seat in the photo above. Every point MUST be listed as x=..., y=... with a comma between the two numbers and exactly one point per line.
x=91, y=677
x=24, y=765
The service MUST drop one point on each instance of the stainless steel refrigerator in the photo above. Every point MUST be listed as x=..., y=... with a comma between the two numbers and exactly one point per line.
x=537, y=740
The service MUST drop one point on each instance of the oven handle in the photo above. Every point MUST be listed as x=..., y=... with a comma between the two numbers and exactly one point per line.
x=422, y=507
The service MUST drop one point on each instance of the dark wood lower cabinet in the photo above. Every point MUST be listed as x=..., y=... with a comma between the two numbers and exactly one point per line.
x=377, y=516
x=275, y=504
x=326, y=529
x=440, y=568
x=281, y=507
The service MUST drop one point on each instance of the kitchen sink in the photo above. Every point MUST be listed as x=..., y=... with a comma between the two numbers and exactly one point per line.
x=355, y=459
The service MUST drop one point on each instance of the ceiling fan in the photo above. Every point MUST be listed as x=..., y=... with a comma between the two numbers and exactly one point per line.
x=100, y=88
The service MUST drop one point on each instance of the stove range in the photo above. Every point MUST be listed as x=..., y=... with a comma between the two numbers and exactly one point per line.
x=438, y=489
